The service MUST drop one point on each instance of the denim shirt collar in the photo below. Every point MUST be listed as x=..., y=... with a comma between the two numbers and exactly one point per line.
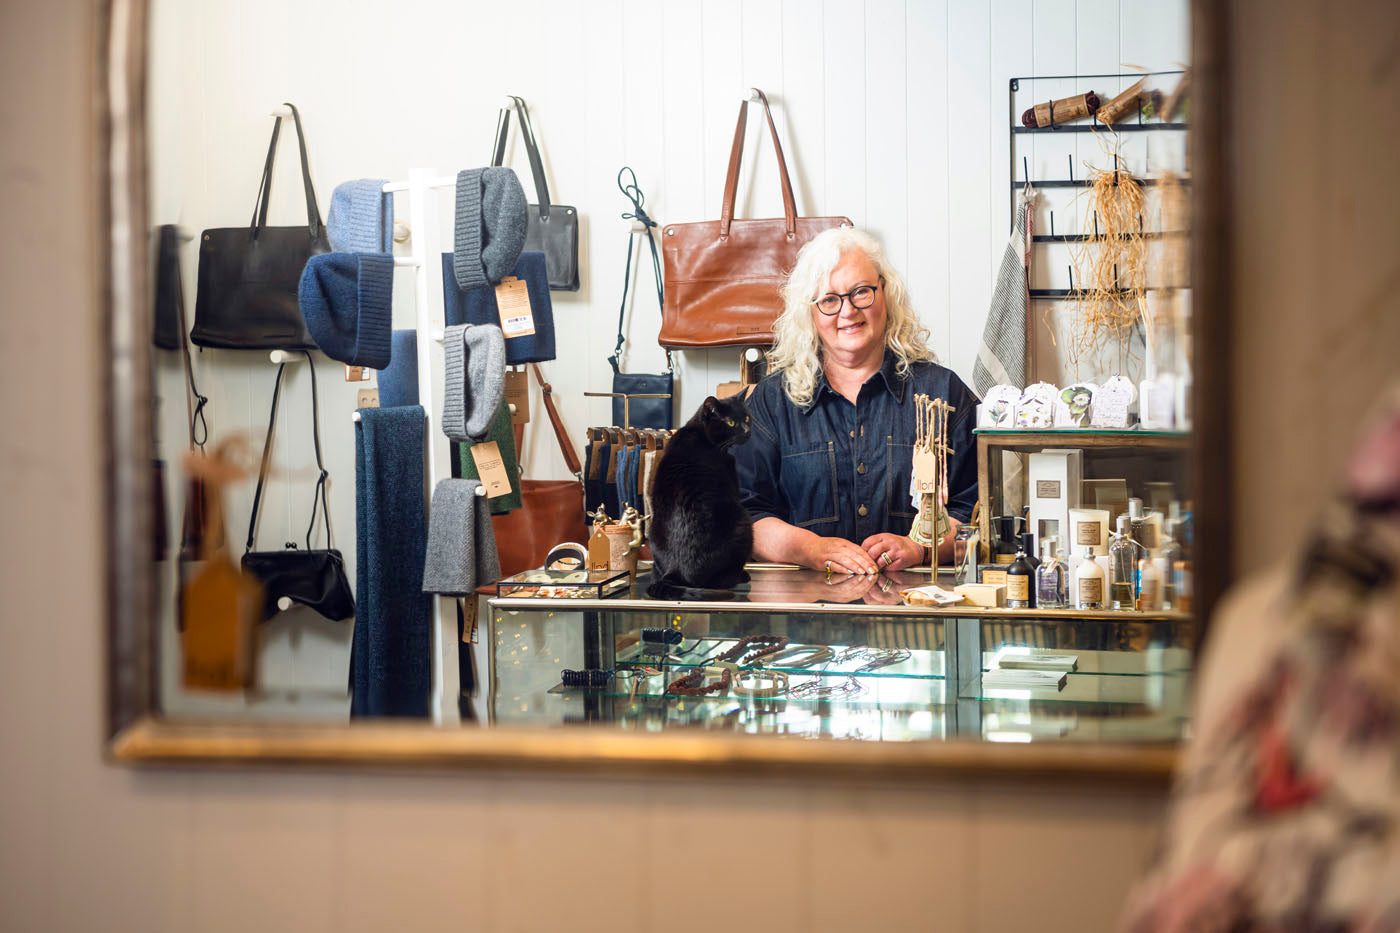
x=893, y=383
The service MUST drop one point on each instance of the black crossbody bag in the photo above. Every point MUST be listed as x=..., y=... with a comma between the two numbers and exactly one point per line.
x=314, y=578
x=640, y=400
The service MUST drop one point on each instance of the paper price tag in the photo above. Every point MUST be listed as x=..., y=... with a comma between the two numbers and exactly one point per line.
x=367, y=398
x=925, y=471
x=356, y=373
x=513, y=303
x=491, y=468
x=518, y=395
x=470, y=611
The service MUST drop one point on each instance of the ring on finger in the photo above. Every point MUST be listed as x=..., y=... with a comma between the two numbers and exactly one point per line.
x=885, y=559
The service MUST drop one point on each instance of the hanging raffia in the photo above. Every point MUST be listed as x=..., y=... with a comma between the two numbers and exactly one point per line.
x=1110, y=265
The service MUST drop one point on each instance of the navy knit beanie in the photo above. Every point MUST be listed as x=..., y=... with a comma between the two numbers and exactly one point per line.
x=346, y=302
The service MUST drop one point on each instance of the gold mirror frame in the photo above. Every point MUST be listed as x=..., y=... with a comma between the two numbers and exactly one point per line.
x=137, y=734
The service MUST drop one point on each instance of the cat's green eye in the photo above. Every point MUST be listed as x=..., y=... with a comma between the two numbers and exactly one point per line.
x=729, y=421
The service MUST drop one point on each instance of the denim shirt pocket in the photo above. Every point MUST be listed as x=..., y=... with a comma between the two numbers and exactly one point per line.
x=899, y=469
x=809, y=484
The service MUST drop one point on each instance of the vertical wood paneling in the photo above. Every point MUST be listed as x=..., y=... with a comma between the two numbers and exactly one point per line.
x=971, y=175
x=885, y=127
x=930, y=128
x=844, y=43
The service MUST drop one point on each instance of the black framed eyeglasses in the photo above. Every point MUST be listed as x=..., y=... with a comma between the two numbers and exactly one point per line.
x=861, y=297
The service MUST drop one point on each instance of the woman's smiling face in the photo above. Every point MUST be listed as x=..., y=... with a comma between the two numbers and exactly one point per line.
x=853, y=333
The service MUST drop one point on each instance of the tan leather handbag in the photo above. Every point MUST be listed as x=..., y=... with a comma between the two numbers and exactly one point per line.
x=552, y=509
x=723, y=276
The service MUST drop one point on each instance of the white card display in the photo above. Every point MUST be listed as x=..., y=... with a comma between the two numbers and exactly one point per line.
x=1036, y=408
x=1074, y=405
x=1110, y=409
x=998, y=408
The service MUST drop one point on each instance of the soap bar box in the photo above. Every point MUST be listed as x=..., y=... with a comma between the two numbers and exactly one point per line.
x=1055, y=480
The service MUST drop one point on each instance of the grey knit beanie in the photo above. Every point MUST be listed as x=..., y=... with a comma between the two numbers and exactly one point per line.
x=474, y=379
x=490, y=225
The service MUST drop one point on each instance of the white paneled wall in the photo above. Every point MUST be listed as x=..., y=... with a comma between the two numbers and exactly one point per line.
x=893, y=112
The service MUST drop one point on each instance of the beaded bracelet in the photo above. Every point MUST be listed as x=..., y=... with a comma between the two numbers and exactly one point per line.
x=689, y=685
x=592, y=677
x=773, y=643
x=777, y=680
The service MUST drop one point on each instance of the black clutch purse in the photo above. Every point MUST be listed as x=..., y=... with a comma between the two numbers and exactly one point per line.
x=551, y=229
x=314, y=578
x=248, y=276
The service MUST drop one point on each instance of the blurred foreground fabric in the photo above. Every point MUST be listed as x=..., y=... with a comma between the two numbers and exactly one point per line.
x=1286, y=809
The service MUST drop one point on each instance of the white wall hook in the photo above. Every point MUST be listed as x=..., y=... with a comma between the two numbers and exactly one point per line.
x=285, y=356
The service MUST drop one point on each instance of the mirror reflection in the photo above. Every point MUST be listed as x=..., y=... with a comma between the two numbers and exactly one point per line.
x=880, y=429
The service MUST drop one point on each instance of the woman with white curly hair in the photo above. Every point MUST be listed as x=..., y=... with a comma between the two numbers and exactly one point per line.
x=826, y=471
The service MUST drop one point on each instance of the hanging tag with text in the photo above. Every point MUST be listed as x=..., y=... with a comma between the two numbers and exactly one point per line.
x=925, y=471
x=518, y=396
x=356, y=373
x=513, y=302
x=491, y=468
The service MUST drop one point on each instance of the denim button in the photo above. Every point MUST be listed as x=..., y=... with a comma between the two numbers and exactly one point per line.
x=860, y=468
x=862, y=511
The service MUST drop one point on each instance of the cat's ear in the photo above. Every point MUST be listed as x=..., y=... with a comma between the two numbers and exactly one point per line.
x=711, y=405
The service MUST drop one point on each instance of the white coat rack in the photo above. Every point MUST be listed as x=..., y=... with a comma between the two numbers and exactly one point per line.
x=423, y=258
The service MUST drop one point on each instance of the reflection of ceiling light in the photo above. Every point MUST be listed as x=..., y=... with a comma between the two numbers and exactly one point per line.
x=1008, y=736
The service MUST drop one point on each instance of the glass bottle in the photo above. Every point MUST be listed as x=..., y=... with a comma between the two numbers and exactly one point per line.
x=1088, y=579
x=1122, y=563
x=1050, y=590
x=1171, y=561
x=1020, y=580
x=1028, y=547
x=965, y=548
x=1148, y=584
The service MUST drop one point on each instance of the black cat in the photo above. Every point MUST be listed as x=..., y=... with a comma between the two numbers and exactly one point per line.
x=700, y=534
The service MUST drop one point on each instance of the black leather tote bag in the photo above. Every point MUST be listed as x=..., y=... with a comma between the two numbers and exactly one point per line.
x=314, y=578
x=640, y=400
x=248, y=276
x=551, y=229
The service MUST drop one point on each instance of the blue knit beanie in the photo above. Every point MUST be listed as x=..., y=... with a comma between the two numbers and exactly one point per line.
x=490, y=225
x=346, y=302
x=361, y=219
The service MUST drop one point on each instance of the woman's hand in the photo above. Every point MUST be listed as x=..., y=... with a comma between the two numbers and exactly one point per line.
x=892, y=552
x=838, y=555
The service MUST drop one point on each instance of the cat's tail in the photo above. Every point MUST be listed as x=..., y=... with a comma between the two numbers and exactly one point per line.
x=662, y=588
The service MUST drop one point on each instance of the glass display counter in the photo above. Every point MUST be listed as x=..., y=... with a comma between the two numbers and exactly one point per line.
x=794, y=653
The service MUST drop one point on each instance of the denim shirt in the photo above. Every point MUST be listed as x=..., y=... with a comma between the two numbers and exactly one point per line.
x=843, y=470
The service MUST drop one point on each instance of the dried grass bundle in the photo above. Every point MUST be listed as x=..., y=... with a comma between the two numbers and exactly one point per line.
x=1110, y=264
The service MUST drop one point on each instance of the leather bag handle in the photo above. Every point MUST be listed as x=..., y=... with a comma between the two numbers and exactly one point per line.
x=532, y=149
x=313, y=212
x=570, y=457
x=319, y=494
x=736, y=155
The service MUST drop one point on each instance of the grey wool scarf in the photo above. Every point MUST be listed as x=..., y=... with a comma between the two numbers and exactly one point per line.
x=461, y=541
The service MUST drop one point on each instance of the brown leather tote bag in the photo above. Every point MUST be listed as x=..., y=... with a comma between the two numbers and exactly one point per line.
x=551, y=511
x=723, y=276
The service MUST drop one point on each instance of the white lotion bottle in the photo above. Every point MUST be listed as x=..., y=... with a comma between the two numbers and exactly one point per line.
x=1089, y=583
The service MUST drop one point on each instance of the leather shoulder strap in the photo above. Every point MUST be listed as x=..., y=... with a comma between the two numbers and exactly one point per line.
x=570, y=457
x=532, y=149
x=736, y=156
x=319, y=495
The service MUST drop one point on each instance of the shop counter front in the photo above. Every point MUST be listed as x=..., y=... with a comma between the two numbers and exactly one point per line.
x=797, y=653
